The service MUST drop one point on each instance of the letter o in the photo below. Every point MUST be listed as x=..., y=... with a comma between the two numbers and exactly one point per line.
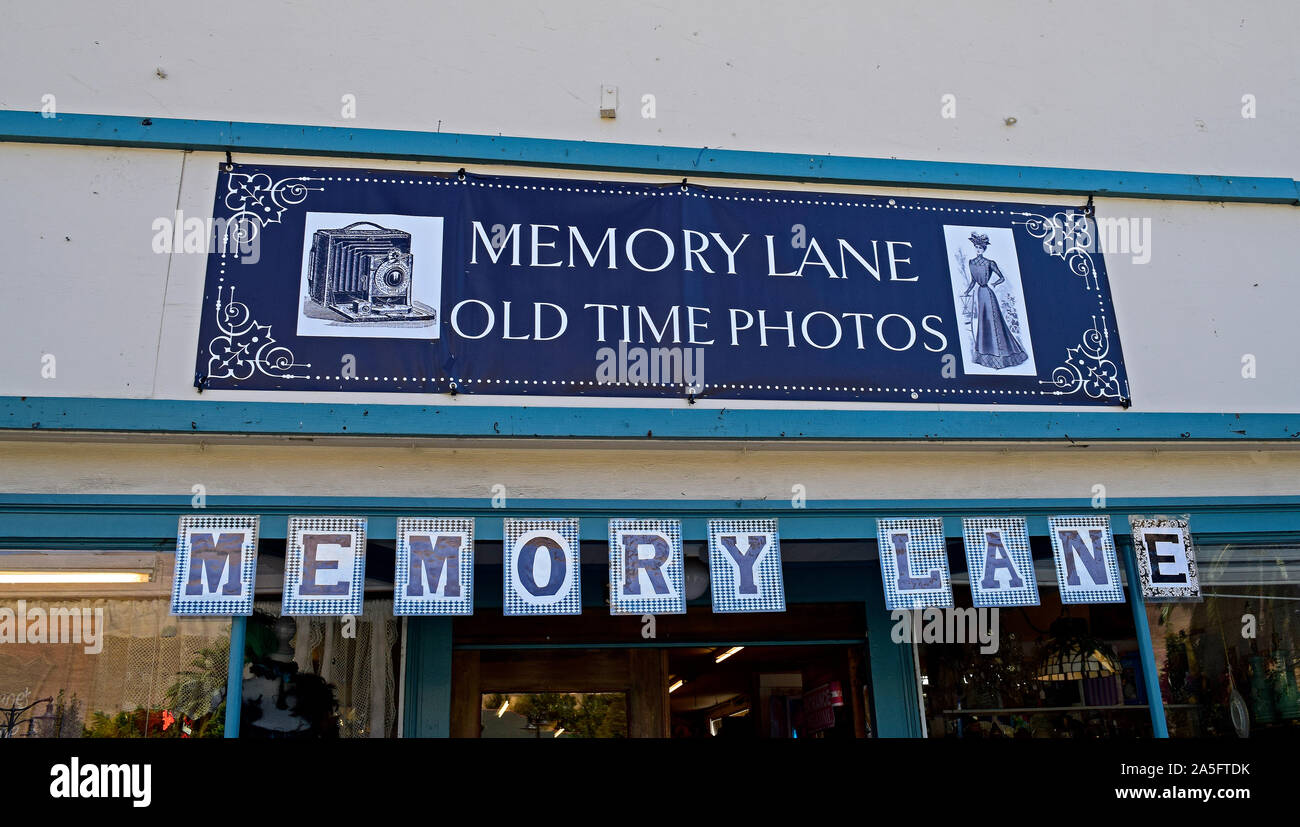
x=880, y=331
x=631, y=239
x=455, y=314
x=838, y=332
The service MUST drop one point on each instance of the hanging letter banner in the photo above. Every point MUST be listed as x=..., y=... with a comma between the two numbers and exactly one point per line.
x=391, y=281
x=216, y=562
x=1165, y=559
x=914, y=563
x=1087, y=569
x=646, y=567
x=324, y=566
x=745, y=566
x=999, y=562
x=433, y=572
x=542, y=567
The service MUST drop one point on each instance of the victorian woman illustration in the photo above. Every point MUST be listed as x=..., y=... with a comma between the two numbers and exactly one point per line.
x=994, y=345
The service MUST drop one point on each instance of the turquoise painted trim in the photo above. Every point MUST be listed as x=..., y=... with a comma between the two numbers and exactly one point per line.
x=1146, y=651
x=428, y=678
x=351, y=142
x=132, y=521
x=200, y=416
x=897, y=703
x=235, y=675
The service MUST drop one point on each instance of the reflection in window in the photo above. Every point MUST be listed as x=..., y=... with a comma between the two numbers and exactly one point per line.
x=1228, y=666
x=554, y=715
x=102, y=657
x=321, y=677
x=1057, y=672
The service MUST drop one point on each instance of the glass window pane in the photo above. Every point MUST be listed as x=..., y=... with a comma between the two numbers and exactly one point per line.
x=322, y=677
x=1228, y=665
x=101, y=656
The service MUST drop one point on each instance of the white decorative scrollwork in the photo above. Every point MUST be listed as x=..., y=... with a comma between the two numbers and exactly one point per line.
x=1087, y=368
x=255, y=200
x=1068, y=236
x=246, y=347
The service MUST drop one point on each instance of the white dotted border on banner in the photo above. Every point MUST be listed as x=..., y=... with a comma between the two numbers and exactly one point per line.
x=882, y=203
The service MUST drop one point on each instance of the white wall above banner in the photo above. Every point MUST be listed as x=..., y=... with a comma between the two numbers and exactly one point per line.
x=433, y=571
x=646, y=567
x=1087, y=568
x=216, y=561
x=999, y=561
x=324, y=566
x=542, y=572
x=745, y=566
x=914, y=563
x=1165, y=558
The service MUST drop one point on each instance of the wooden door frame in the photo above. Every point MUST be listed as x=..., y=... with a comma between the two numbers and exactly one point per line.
x=641, y=673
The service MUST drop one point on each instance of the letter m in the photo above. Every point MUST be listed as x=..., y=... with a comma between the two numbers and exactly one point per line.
x=428, y=556
x=480, y=235
x=205, y=557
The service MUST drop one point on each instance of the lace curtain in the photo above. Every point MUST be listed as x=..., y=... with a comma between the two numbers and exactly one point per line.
x=361, y=669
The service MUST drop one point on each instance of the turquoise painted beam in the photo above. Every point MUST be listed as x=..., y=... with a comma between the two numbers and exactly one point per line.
x=235, y=675
x=352, y=142
x=427, y=698
x=136, y=521
x=200, y=416
x=895, y=693
x=1146, y=652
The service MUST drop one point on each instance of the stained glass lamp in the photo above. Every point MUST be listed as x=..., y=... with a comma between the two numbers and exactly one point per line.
x=1073, y=654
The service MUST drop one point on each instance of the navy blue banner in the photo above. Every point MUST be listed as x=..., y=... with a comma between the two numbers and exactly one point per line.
x=387, y=281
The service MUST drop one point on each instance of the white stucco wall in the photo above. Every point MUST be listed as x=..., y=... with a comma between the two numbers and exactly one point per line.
x=122, y=321
x=1113, y=85
x=397, y=468
x=1110, y=84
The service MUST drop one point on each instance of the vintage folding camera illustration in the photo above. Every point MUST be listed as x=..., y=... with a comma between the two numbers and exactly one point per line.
x=364, y=273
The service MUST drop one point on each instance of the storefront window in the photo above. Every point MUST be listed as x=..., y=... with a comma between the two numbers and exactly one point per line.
x=322, y=677
x=1228, y=665
x=1046, y=671
x=89, y=649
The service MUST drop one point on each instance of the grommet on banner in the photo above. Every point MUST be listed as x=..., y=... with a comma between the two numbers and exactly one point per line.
x=230, y=164
x=1088, y=209
x=460, y=174
x=452, y=387
x=683, y=185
